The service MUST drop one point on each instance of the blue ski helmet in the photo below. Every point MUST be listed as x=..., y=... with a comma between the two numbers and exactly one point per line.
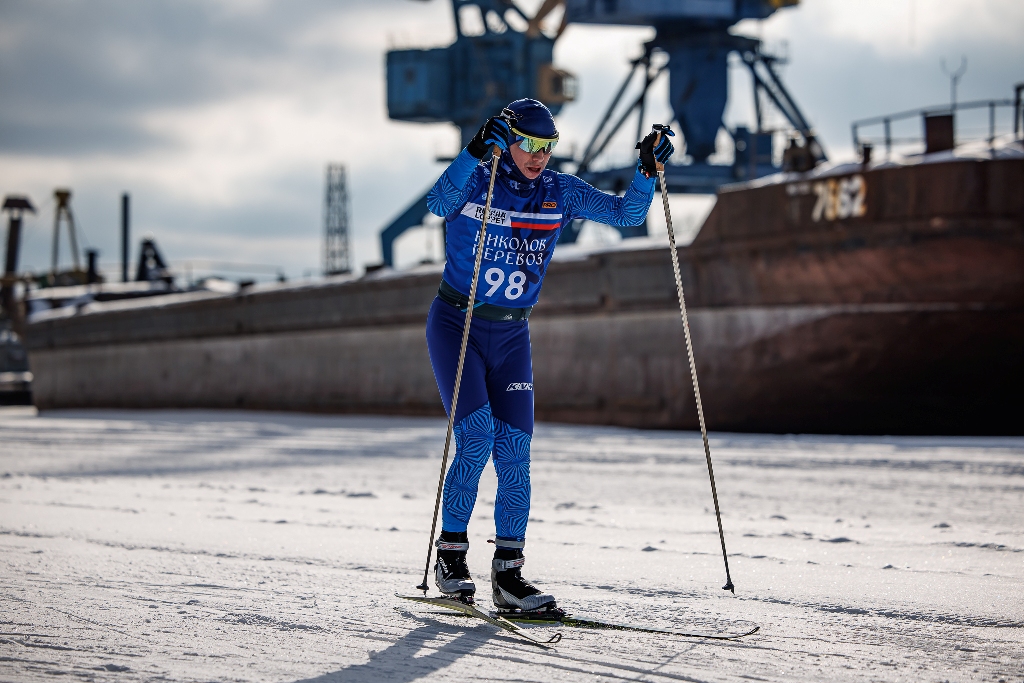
x=534, y=119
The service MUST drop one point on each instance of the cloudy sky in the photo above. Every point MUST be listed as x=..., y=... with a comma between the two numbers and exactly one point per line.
x=218, y=116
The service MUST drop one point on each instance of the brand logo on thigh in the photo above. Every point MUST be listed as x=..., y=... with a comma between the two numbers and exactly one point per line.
x=520, y=386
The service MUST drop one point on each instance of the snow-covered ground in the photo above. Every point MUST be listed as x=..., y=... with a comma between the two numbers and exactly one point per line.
x=216, y=546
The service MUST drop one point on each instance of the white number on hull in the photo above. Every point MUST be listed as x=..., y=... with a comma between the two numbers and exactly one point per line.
x=839, y=198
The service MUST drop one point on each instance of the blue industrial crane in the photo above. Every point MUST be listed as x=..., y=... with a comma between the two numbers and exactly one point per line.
x=476, y=75
x=471, y=79
x=510, y=58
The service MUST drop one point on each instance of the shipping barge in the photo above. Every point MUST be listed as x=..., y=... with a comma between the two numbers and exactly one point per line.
x=876, y=297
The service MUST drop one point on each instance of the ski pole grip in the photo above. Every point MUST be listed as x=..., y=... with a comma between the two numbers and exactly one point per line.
x=658, y=128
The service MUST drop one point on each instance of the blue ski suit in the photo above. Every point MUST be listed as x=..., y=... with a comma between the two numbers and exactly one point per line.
x=495, y=408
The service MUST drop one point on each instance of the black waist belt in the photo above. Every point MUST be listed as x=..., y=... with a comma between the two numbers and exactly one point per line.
x=450, y=295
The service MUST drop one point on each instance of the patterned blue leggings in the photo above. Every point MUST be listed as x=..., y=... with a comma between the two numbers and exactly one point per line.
x=494, y=415
x=476, y=437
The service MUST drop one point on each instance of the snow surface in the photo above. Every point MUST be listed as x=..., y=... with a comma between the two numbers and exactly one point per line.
x=231, y=546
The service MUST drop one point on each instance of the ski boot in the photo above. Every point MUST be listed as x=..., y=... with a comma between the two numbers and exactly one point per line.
x=512, y=593
x=451, y=573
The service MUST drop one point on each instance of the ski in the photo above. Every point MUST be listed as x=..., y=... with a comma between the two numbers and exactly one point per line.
x=473, y=611
x=579, y=622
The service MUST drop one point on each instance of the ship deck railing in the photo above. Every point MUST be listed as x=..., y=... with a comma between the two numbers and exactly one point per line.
x=979, y=130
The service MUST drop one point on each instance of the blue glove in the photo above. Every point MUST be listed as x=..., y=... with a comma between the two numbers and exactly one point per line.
x=650, y=155
x=497, y=130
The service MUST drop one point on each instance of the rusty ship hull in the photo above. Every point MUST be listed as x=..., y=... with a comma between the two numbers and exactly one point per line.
x=860, y=299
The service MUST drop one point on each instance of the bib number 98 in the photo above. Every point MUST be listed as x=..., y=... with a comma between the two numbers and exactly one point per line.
x=495, y=277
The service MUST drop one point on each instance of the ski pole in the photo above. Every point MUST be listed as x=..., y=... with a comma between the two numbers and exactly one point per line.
x=496, y=155
x=689, y=352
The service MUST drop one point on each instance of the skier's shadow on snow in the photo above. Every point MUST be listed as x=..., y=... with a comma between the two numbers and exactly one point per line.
x=397, y=662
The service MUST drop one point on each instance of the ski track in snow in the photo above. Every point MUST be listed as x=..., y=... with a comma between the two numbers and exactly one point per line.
x=235, y=546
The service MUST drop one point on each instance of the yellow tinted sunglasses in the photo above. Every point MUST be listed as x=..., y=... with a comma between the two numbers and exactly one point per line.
x=532, y=145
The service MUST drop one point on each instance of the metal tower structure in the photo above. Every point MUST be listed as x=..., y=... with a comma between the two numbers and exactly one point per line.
x=63, y=211
x=695, y=41
x=336, y=253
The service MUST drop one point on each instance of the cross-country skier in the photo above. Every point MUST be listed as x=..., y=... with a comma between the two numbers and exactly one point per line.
x=530, y=207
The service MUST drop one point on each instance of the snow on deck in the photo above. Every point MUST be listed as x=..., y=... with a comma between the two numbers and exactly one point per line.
x=200, y=546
